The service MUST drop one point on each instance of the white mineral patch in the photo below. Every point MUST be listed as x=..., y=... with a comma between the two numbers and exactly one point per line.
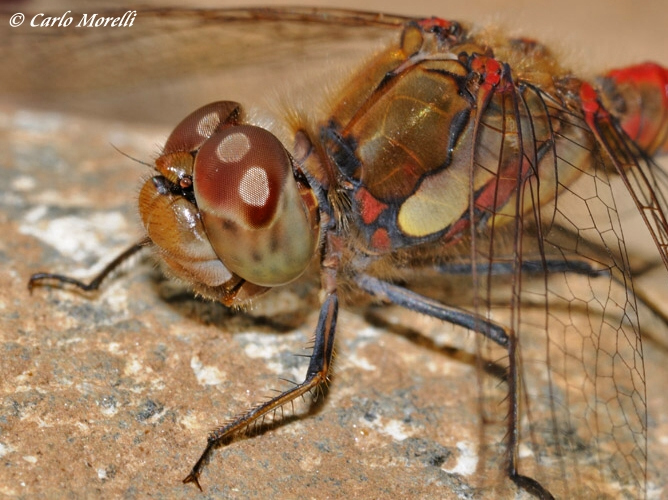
x=261, y=347
x=269, y=348
x=158, y=385
x=190, y=421
x=396, y=429
x=116, y=297
x=157, y=416
x=35, y=214
x=114, y=348
x=370, y=334
x=108, y=409
x=38, y=121
x=360, y=362
x=206, y=375
x=133, y=367
x=467, y=461
x=75, y=237
x=85, y=388
x=525, y=451
x=82, y=426
x=23, y=183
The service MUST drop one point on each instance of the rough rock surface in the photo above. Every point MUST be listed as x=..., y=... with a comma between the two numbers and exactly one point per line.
x=112, y=394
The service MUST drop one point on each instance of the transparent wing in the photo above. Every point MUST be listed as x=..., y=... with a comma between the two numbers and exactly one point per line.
x=173, y=60
x=645, y=180
x=578, y=423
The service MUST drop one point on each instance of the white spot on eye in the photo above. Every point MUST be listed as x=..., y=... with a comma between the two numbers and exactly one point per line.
x=254, y=187
x=233, y=147
x=207, y=124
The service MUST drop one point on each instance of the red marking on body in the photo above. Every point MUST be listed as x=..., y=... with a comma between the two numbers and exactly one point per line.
x=646, y=73
x=494, y=195
x=589, y=100
x=370, y=207
x=490, y=69
x=434, y=22
x=454, y=234
x=380, y=240
x=647, y=126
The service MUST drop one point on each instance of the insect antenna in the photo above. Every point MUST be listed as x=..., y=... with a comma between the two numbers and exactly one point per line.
x=136, y=160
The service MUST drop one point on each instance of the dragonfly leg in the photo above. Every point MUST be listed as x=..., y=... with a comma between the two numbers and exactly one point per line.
x=572, y=266
x=40, y=279
x=315, y=375
x=531, y=486
x=513, y=379
x=415, y=302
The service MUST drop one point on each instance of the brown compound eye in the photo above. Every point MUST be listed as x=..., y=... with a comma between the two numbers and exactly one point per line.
x=198, y=126
x=175, y=162
x=261, y=222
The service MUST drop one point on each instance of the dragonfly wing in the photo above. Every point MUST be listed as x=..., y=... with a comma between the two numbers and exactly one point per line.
x=547, y=260
x=581, y=414
x=174, y=60
x=645, y=180
x=550, y=264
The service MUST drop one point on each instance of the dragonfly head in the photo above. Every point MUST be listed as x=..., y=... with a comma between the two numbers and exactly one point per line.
x=252, y=219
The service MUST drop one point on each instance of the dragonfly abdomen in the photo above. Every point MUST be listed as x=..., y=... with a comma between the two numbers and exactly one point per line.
x=638, y=96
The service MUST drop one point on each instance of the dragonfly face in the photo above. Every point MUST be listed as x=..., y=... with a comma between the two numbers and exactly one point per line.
x=229, y=213
x=476, y=159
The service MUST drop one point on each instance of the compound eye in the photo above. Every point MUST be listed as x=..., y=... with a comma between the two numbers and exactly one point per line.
x=175, y=163
x=239, y=175
x=258, y=222
x=198, y=126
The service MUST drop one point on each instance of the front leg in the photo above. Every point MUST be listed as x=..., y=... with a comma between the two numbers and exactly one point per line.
x=319, y=366
x=316, y=374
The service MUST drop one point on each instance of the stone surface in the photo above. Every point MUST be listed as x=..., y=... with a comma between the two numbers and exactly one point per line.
x=112, y=394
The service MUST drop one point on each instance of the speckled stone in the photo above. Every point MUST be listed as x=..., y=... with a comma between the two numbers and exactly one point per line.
x=112, y=394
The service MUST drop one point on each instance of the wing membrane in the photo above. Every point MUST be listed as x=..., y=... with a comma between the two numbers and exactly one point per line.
x=644, y=179
x=182, y=57
x=581, y=415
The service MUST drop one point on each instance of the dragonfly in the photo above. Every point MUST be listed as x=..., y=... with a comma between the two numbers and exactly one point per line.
x=451, y=156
